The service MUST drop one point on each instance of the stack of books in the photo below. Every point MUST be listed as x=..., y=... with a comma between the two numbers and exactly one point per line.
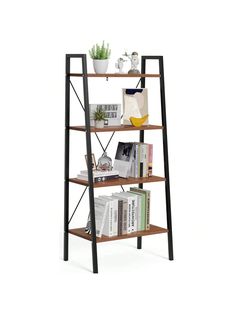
x=121, y=213
x=99, y=176
x=134, y=159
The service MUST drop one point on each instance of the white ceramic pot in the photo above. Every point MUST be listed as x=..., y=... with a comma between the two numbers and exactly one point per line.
x=100, y=66
x=99, y=124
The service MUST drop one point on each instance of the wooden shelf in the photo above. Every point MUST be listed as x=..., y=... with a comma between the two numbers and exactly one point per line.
x=114, y=75
x=79, y=232
x=117, y=128
x=119, y=181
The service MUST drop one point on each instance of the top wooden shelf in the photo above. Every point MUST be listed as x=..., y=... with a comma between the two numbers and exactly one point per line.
x=113, y=75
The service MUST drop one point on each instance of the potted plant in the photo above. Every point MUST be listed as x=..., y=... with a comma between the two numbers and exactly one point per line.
x=100, y=56
x=99, y=117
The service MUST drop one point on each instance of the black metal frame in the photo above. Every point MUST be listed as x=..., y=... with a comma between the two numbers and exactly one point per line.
x=89, y=157
x=165, y=146
x=85, y=107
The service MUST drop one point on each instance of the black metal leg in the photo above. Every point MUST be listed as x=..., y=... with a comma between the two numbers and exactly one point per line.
x=67, y=152
x=89, y=165
x=166, y=159
x=139, y=243
x=141, y=140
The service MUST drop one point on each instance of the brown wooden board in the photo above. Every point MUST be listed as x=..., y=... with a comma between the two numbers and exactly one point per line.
x=119, y=181
x=79, y=232
x=117, y=128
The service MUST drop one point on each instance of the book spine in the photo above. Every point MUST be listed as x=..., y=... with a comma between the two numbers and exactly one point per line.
x=133, y=216
x=98, y=179
x=136, y=161
x=139, y=213
x=97, y=173
x=120, y=212
x=145, y=172
x=139, y=164
x=150, y=159
x=115, y=218
x=124, y=217
x=148, y=194
x=110, y=220
x=133, y=164
x=105, y=178
x=129, y=217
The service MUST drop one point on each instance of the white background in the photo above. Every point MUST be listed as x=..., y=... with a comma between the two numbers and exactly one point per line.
x=197, y=39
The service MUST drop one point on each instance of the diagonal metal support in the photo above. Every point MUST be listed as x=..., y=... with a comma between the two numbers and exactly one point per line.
x=122, y=188
x=109, y=140
x=77, y=95
x=138, y=83
x=100, y=142
x=104, y=149
x=77, y=205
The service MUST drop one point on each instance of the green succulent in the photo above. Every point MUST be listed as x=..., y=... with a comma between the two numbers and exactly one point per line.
x=100, y=52
x=99, y=114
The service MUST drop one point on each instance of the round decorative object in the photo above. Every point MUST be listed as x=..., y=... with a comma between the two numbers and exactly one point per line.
x=104, y=163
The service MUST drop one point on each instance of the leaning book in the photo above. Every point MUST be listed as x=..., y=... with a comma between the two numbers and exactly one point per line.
x=123, y=159
x=101, y=208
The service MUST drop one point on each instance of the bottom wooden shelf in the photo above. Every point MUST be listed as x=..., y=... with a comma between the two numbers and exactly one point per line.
x=79, y=232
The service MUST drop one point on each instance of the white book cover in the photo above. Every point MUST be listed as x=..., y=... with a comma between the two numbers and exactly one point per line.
x=113, y=204
x=107, y=228
x=97, y=173
x=139, y=210
x=130, y=211
x=100, y=216
x=143, y=158
x=123, y=159
x=134, y=210
x=124, y=212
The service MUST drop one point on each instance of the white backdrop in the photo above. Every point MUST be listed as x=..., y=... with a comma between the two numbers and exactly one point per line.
x=197, y=40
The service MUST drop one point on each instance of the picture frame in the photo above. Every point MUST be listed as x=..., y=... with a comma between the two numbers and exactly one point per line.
x=94, y=164
x=112, y=111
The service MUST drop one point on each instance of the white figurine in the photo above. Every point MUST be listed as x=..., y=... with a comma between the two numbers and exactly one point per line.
x=120, y=64
x=134, y=62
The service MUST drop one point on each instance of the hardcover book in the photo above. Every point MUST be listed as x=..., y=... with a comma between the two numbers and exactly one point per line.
x=101, y=209
x=112, y=220
x=147, y=194
x=123, y=159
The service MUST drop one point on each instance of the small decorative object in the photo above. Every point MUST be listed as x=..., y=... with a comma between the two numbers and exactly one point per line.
x=99, y=117
x=104, y=163
x=100, y=56
x=138, y=121
x=94, y=167
x=88, y=228
x=113, y=113
x=135, y=105
x=134, y=62
x=120, y=64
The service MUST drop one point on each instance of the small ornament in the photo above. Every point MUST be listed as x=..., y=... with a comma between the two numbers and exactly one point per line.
x=120, y=64
x=104, y=163
x=134, y=62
